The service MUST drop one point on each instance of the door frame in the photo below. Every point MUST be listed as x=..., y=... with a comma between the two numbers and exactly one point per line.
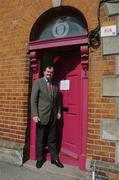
x=82, y=42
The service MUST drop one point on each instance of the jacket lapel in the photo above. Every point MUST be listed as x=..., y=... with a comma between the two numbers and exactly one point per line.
x=45, y=88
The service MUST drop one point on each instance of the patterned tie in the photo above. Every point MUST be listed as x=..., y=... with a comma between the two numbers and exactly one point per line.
x=49, y=86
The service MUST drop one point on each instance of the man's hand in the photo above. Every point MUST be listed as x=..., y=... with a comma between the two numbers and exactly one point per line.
x=36, y=119
x=58, y=115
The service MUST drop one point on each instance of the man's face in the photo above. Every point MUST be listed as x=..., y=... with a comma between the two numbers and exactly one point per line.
x=48, y=73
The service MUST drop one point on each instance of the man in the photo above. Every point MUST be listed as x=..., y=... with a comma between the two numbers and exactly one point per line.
x=45, y=110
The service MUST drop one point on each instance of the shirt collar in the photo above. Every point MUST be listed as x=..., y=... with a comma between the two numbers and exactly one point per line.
x=47, y=79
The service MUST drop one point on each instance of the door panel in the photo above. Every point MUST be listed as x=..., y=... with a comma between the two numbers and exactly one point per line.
x=68, y=68
x=73, y=95
x=70, y=134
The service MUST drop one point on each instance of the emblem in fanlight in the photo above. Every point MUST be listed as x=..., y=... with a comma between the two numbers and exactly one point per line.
x=60, y=29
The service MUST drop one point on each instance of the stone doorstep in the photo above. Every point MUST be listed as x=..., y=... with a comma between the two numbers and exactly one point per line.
x=68, y=171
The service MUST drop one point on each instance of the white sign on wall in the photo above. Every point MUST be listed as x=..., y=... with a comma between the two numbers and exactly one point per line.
x=107, y=31
x=64, y=85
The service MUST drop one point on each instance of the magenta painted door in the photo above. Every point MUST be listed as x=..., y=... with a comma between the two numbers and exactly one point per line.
x=68, y=74
x=71, y=63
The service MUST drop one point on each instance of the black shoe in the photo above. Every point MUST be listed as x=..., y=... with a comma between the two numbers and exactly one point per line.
x=57, y=163
x=39, y=164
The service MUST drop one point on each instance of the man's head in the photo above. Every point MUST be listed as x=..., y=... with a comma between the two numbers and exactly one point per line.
x=48, y=72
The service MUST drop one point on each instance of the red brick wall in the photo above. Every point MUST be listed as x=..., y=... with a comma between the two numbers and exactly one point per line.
x=100, y=107
x=17, y=19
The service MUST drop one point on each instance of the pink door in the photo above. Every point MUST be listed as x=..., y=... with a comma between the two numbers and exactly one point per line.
x=71, y=71
x=68, y=74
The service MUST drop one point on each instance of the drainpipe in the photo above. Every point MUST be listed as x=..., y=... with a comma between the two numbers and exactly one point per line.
x=93, y=171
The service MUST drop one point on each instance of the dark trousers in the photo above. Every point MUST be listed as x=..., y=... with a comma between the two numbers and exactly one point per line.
x=46, y=132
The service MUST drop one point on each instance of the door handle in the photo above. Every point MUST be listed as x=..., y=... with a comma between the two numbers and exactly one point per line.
x=66, y=109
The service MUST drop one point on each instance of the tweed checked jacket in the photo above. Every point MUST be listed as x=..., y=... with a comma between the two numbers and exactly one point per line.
x=43, y=101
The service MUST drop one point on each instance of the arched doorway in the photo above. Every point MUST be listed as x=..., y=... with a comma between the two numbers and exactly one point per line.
x=62, y=41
